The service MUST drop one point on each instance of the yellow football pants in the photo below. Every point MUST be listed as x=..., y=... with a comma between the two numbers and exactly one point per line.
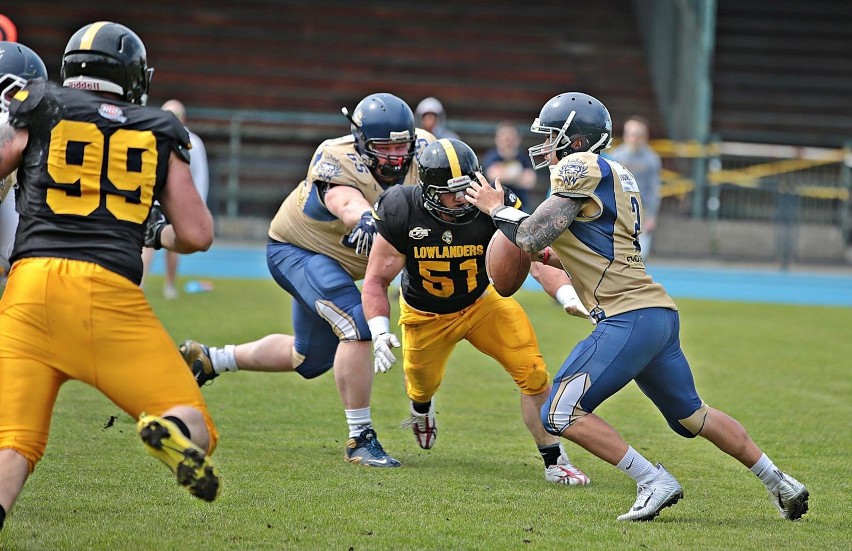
x=65, y=319
x=495, y=325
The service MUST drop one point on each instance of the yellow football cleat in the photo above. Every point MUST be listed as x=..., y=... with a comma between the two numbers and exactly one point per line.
x=193, y=468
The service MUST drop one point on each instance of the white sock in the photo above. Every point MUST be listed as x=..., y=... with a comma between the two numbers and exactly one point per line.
x=223, y=359
x=637, y=467
x=358, y=420
x=767, y=472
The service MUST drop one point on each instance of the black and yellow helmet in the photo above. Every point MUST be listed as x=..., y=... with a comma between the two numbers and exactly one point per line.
x=447, y=166
x=107, y=57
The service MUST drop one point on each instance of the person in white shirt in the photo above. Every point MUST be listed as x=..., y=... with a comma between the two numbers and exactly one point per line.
x=200, y=175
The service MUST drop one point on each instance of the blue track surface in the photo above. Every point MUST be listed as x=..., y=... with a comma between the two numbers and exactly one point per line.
x=737, y=284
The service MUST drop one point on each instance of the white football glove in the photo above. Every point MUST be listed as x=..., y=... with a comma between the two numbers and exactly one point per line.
x=383, y=343
x=567, y=297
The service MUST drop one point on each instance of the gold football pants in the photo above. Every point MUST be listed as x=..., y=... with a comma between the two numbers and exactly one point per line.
x=65, y=319
x=495, y=325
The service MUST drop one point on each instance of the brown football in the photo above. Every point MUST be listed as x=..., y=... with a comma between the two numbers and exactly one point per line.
x=506, y=264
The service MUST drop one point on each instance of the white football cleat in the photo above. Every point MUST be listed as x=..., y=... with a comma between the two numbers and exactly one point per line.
x=791, y=498
x=664, y=491
x=423, y=426
x=565, y=473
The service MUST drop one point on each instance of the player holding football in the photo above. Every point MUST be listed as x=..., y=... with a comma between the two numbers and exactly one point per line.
x=438, y=240
x=318, y=246
x=90, y=162
x=593, y=220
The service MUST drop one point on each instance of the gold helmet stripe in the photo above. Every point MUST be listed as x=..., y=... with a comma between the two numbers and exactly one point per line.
x=455, y=167
x=89, y=35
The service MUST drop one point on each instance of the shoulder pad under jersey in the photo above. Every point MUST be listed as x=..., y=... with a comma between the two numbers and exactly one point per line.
x=25, y=101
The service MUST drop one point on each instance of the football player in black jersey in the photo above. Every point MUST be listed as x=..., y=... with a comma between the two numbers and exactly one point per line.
x=91, y=160
x=438, y=241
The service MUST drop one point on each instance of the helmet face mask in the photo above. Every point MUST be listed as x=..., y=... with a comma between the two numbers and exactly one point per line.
x=447, y=166
x=107, y=57
x=572, y=122
x=380, y=122
x=18, y=64
x=389, y=165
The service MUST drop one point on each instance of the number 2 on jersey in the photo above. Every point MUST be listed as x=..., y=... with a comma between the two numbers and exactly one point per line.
x=637, y=223
x=83, y=184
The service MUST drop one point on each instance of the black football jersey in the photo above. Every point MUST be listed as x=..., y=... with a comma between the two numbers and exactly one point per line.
x=445, y=262
x=91, y=170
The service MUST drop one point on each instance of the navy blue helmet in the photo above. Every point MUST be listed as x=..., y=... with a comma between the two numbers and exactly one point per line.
x=567, y=118
x=383, y=119
x=18, y=64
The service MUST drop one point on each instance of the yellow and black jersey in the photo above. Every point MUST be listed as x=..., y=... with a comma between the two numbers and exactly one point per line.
x=600, y=249
x=304, y=221
x=445, y=263
x=91, y=170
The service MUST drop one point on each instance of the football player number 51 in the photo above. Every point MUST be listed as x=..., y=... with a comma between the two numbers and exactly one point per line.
x=442, y=286
x=83, y=183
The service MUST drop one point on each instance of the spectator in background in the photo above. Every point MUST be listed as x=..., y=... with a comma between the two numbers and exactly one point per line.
x=507, y=162
x=431, y=118
x=637, y=156
x=200, y=176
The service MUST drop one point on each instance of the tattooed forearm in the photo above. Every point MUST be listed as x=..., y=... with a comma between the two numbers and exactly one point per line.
x=547, y=223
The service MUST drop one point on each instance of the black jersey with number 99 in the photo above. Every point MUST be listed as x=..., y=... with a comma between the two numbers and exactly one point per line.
x=91, y=170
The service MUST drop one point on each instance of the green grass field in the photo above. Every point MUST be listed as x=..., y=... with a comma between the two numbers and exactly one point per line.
x=781, y=370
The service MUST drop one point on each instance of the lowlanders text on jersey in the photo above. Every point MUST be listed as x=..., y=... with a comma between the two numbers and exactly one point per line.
x=450, y=251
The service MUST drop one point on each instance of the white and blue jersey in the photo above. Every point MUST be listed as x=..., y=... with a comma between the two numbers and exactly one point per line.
x=637, y=334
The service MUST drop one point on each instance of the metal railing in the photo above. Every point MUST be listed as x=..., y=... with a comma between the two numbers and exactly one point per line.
x=257, y=158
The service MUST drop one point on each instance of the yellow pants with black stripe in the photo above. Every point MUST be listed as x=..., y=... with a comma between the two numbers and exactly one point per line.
x=494, y=325
x=65, y=319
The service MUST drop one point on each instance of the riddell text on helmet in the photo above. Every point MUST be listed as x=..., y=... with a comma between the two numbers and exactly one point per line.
x=83, y=85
